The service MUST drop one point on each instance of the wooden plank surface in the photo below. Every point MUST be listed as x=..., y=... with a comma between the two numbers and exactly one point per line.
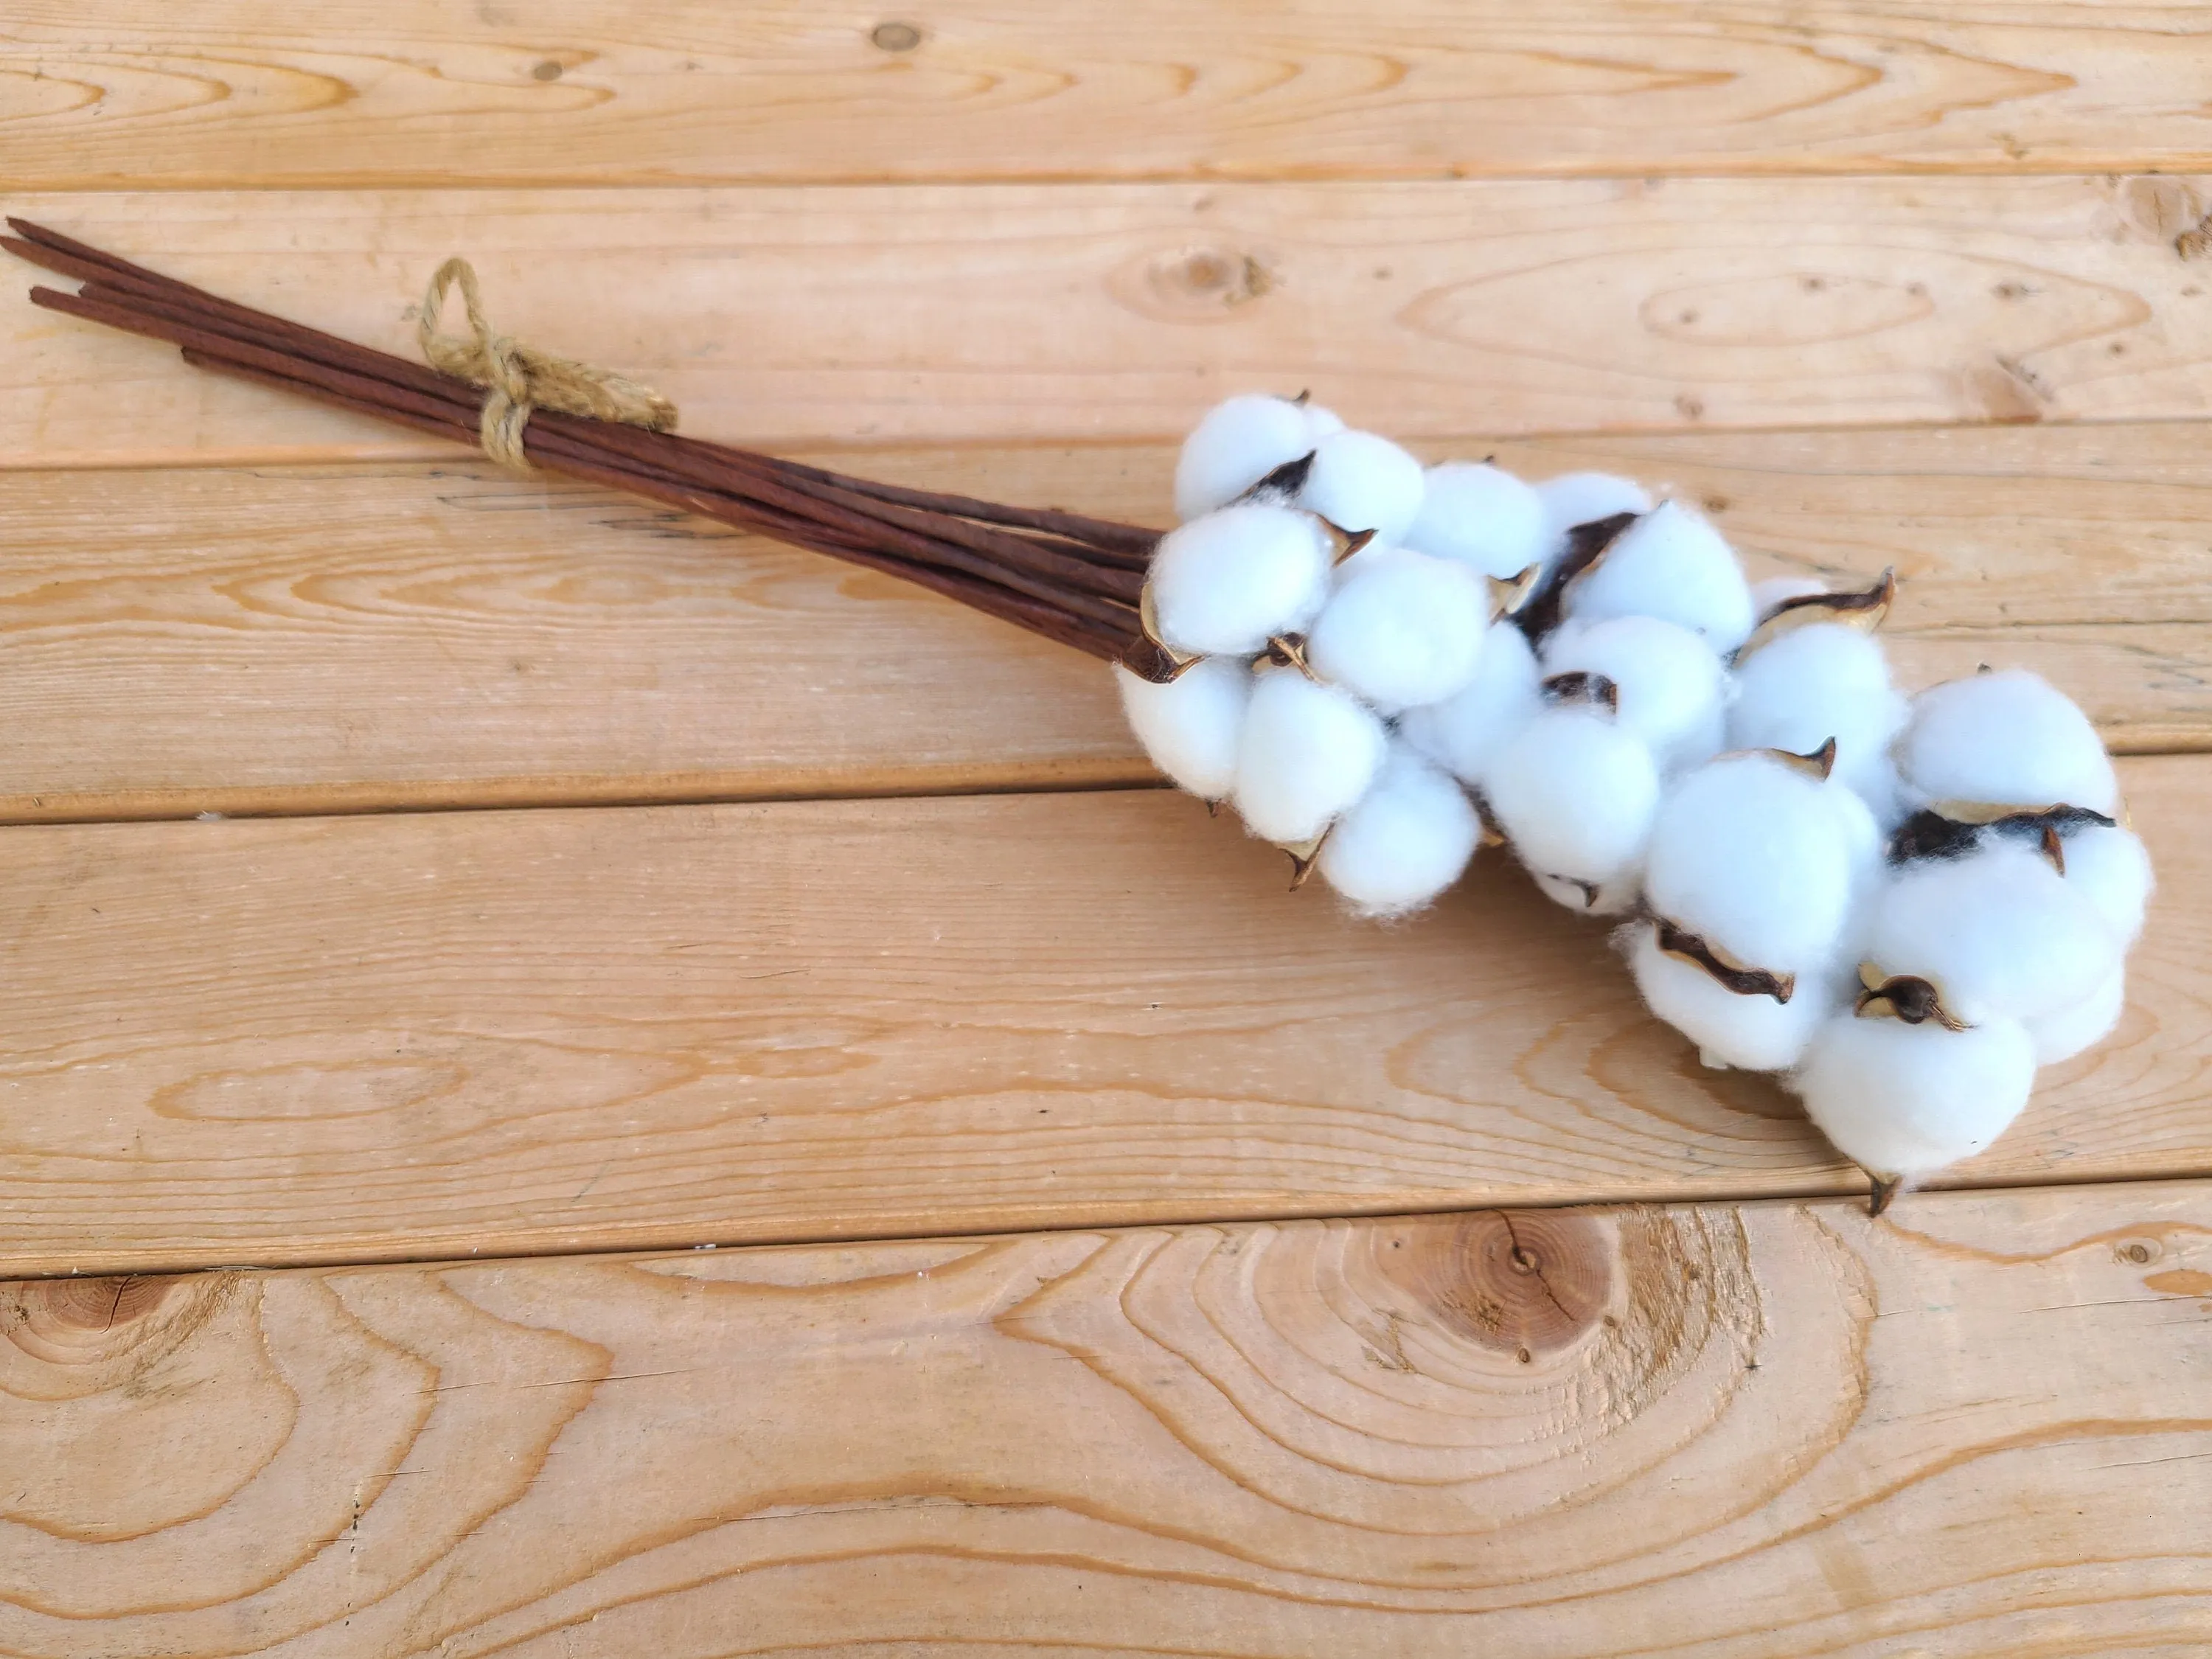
x=409, y=635
x=1747, y=1432
x=940, y=314
x=249, y=92
x=291, y=1041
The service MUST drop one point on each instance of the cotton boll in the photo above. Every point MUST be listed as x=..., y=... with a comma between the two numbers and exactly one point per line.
x=1407, y=840
x=1672, y=688
x=1463, y=732
x=2109, y=867
x=1236, y=445
x=1613, y=897
x=2000, y=934
x=1770, y=594
x=1575, y=793
x=1321, y=424
x=1574, y=498
x=1755, y=857
x=1902, y=1100
x=1361, y=481
x=2009, y=739
x=1308, y=752
x=1670, y=564
x=2070, y=1031
x=1754, y=1032
x=1820, y=682
x=1402, y=629
x=1482, y=516
x=1191, y=726
x=1226, y=584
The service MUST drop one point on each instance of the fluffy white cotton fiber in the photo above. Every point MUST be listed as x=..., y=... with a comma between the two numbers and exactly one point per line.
x=1191, y=727
x=1672, y=564
x=1673, y=689
x=1464, y=732
x=1401, y=629
x=2067, y=1033
x=1818, y=682
x=1309, y=751
x=2108, y=866
x=1227, y=583
x=1575, y=794
x=1754, y=1032
x=1903, y=1100
x=1239, y=443
x=1754, y=857
x=1574, y=498
x=1999, y=933
x=1482, y=516
x=1770, y=594
x=2009, y=739
x=1361, y=481
x=1405, y=840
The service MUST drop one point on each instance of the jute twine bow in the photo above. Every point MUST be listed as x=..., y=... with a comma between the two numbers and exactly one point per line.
x=521, y=376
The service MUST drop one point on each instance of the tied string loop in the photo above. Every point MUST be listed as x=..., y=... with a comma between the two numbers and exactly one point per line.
x=519, y=377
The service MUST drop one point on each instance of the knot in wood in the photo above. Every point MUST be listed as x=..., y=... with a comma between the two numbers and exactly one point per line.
x=1533, y=1281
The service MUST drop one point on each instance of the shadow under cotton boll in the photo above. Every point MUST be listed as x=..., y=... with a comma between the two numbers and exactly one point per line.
x=1671, y=564
x=1901, y=1100
x=1401, y=629
x=1191, y=727
x=1308, y=752
x=2009, y=739
x=1409, y=837
x=1226, y=584
x=1483, y=517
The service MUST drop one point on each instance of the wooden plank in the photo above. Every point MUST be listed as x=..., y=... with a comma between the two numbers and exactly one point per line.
x=1752, y=1432
x=248, y=92
x=292, y=1041
x=929, y=313
x=411, y=635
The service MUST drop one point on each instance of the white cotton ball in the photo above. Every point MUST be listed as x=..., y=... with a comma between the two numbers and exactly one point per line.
x=2070, y=1031
x=1309, y=751
x=1574, y=498
x=1575, y=793
x=1483, y=516
x=1905, y=1100
x=1755, y=1033
x=1772, y=593
x=1322, y=422
x=1465, y=731
x=2109, y=866
x=1401, y=629
x=2009, y=739
x=1818, y=682
x=1756, y=857
x=1670, y=564
x=1672, y=688
x=1999, y=933
x=1361, y=481
x=1236, y=444
x=1226, y=584
x=1407, y=838
x=1191, y=726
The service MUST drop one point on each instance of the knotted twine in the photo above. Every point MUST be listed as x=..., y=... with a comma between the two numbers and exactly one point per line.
x=519, y=377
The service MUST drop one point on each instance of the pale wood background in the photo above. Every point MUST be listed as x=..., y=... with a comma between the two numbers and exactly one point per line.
x=763, y=901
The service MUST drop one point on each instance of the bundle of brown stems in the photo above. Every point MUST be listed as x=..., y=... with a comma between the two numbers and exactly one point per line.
x=1075, y=579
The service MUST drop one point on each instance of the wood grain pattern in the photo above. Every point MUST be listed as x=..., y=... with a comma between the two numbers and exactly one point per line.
x=936, y=313
x=1751, y=1433
x=410, y=634
x=294, y=1040
x=249, y=92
